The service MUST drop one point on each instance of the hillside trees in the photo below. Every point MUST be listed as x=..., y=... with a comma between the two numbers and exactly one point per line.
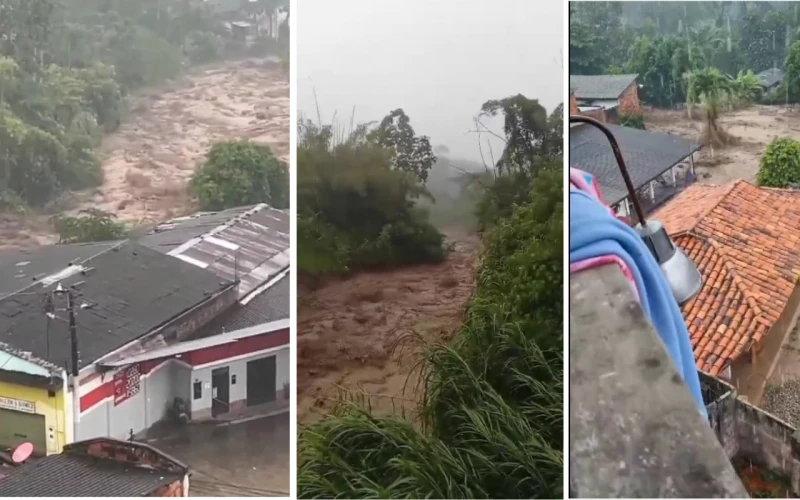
x=356, y=197
x=491, y=413
x=65, y=68
x=533, y=142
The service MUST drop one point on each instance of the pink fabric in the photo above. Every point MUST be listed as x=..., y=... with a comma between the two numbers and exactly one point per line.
x=583, y=181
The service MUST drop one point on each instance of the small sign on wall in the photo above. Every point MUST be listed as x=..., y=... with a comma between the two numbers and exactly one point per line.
x=126, y=384
x=17, y=405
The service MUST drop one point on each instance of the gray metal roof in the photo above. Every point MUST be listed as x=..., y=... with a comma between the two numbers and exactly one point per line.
x=771, y=77
x=121, y=294
x=270, y=305
x=647, y=155
x=21, y=269
x=250, y=244
x=600, y=86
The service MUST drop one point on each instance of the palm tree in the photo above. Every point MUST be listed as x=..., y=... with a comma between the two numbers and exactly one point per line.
x=709, y=87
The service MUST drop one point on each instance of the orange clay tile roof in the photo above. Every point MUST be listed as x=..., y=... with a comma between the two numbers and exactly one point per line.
x=745, y=241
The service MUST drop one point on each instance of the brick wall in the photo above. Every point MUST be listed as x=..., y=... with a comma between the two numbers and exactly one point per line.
x=746, y=431
x=629, y=100
x=174, y=489
x=129, y=452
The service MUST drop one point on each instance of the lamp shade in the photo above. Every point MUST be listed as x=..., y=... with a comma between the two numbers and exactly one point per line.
x=682, y=275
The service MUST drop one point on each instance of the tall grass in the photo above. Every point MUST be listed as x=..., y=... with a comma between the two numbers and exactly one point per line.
x=491, y=413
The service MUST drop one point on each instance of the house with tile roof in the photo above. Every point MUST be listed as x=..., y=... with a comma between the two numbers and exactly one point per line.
x=745, y=242
x=97, y=468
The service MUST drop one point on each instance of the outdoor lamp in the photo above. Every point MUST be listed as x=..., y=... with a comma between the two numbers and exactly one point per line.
x=682, y=275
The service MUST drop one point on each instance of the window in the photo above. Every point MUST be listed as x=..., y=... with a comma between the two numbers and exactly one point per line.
x=198, y=389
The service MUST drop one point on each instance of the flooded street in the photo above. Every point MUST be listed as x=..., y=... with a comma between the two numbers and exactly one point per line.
x=245, y=459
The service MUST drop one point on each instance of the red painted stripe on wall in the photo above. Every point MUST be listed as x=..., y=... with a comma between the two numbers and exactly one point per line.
x=237, y=348
x=199, y=357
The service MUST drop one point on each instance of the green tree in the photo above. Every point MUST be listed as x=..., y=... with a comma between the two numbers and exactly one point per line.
x=534, y=142
x=780, y=165
x=791, y=71
x=240, y=173
x=356, y=204
x=411, y=153
x=710, y=88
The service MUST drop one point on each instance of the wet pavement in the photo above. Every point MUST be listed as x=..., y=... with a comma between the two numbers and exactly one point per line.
x=246, y=459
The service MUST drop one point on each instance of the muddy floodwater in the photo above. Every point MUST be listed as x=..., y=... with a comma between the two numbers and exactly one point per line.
x=351, y=333
x=149, y=160
x=753, y=129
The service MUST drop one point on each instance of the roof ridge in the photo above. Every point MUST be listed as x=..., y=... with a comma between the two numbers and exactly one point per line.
x=702, y=215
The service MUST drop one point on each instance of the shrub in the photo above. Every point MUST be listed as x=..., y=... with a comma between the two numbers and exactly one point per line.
x=359, y=204
x=633, y=121
x=203, y=47
x=780, y=165
x=240, y=173
x=492, y=411
x=88, y=228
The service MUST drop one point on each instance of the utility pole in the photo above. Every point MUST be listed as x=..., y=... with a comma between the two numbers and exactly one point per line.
x=75, y=372
x=73, y=329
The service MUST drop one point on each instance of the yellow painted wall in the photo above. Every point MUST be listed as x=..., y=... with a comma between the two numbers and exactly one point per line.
x=52, y=408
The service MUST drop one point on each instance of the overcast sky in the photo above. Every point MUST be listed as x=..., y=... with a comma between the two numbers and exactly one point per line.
x=439, y=60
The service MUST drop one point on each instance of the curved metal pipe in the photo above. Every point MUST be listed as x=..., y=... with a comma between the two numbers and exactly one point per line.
x=620, y=161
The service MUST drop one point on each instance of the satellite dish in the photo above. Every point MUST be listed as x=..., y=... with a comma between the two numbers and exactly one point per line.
x=22, y=453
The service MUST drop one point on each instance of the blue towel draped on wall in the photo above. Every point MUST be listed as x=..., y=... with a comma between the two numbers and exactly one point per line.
x=594, y=232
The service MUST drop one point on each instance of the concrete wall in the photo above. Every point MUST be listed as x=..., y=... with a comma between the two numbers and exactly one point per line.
x=201, y=408
x=746, y=431
x=157, y=390
x=751, y=372
x=629, y=100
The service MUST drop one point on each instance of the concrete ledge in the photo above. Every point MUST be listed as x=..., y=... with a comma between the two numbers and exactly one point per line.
x=634, y=428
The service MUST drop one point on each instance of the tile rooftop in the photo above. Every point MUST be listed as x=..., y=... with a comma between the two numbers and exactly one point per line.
x=745, y=242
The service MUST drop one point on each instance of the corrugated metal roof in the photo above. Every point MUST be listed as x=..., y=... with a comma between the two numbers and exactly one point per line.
x=250, y=244
x=270, y=305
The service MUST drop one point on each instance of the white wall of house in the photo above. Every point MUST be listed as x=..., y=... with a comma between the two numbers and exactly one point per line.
x=159, y=388
x=238, y=369
x=157, y=391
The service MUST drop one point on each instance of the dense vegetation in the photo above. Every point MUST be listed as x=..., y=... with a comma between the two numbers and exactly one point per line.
x=238, y=173
x=780, y=165
x=65, y=68
x=356, y=197
x=663, y=42
x=491, y=418
x=87, y=228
